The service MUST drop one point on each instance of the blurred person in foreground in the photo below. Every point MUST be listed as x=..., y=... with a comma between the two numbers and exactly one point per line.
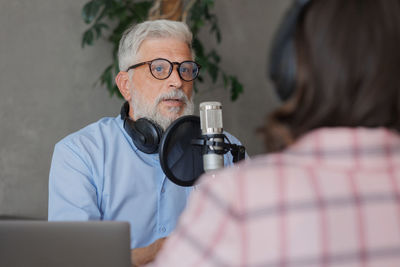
x=110, y=170
x=329, y=194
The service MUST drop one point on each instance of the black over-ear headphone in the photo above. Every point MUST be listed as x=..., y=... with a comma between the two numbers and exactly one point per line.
x=282, y=64
x=145, y=134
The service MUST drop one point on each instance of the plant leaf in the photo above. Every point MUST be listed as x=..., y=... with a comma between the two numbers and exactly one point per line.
x=213, y=54
x=106, y=76
x=236, y=89
x=141, y=9
x=90, y=10
x=87, y=38
x=213, y=71
x=226, y=80
x=198, y=47
x=97, y=27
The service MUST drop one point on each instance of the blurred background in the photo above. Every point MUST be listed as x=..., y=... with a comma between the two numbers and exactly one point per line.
x=49, y=88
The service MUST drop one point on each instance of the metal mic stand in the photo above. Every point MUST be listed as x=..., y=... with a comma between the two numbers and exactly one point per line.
x=205, y=141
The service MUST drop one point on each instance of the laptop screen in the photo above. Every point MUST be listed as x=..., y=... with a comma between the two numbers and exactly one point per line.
x=64, y=244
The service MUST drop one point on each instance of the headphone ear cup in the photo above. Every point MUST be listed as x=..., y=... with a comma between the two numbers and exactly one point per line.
x=150, y=135
x=282, y=64
x=145, y=134
x=285, y=71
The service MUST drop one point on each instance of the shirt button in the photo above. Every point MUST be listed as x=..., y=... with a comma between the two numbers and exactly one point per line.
x=163, y=190
x=162, y=229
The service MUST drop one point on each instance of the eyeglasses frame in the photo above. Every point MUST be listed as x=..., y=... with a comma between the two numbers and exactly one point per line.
x=171, y=69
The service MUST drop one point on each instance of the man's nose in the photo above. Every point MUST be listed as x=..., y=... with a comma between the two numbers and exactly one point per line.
x=174, y=79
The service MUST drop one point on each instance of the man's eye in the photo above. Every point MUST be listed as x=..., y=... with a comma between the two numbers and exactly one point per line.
x=159, y=68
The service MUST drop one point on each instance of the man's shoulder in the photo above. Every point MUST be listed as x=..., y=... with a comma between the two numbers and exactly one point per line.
x=92, y=133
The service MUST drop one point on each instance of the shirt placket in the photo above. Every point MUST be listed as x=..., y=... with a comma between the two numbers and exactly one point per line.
x=161, y=223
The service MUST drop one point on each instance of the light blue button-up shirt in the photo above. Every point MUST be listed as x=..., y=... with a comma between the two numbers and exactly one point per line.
x=97, y=173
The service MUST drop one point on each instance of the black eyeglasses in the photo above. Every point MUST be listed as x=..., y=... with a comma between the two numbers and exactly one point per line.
x=161, y=69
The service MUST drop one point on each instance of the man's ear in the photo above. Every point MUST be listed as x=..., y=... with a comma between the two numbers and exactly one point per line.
x=123, y=83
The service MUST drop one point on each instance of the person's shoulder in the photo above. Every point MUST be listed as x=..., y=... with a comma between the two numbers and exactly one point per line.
x=92, y=133
x=225, y=185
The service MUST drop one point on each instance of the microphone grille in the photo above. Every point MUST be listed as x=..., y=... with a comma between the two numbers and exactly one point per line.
x=211, y=117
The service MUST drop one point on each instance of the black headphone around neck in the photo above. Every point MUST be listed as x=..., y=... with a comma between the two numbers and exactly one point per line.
x=145, y=134
x=282, y=64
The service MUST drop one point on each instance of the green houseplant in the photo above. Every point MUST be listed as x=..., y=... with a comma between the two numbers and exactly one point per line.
x=109, y=18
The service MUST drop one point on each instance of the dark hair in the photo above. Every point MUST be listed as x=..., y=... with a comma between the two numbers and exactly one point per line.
x=348, y=61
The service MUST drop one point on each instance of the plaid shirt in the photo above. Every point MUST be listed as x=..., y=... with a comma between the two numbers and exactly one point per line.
x=331, y=199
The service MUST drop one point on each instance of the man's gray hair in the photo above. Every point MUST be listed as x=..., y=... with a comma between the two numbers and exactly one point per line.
x=134, y=36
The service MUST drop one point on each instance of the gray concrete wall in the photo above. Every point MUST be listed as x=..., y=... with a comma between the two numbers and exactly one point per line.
x=47, y=86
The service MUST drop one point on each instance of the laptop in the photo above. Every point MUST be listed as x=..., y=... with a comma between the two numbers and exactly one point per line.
x=64, y=244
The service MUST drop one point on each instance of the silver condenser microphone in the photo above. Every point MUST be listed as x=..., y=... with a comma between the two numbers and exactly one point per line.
x=212, y=129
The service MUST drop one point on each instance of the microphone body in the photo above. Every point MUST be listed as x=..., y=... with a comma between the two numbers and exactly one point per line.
x=212, y=130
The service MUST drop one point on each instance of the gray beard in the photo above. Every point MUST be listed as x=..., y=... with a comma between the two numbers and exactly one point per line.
x=141, y=109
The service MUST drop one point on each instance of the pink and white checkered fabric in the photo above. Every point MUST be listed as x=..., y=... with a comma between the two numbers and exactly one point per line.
x=332, y=199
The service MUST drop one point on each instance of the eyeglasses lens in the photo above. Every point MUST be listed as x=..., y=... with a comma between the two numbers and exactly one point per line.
x=161, y=69
x=188, y=70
